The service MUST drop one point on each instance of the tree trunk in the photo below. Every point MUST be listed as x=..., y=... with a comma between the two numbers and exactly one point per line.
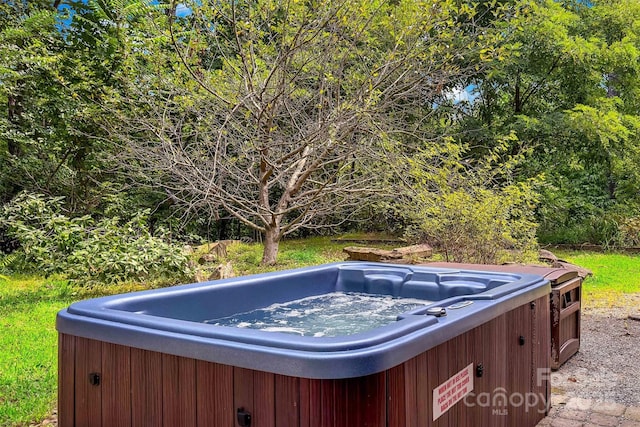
x=14, y=114
x=271, y=242
x=517, y=99
x=223, y=228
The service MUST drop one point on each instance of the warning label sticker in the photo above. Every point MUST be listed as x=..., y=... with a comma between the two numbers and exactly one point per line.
x=452, y=391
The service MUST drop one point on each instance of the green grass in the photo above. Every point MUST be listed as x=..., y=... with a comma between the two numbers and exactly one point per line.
x=245, y=258
x=28, y=343
x=613, y=276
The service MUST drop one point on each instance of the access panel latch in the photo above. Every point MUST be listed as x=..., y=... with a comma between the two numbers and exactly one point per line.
x=94, y=378
x=244, y=417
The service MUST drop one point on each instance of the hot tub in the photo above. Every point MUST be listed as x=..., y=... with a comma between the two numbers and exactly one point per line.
x=461, y=346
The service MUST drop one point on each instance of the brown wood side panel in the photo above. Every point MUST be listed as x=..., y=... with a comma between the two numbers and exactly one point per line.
x=365, y=403
x=88, y=397
x=566, y=300
x=329, y=404
x=263, y=413
x=479, y=338
x=314, y=403
x=460, y=356
x=178, y=391
x=338, y=409
x=66, y=379
x=472, y=340
x=146, y=388
x=411, y=391
x=438, y=362
x=420, y=411
x=396, y=401
x=305, y=397
x=376, y=410
x=519, y=363
x=569, y=326
x=116, y=385
x=494, y=380
x=568, y=349
x=214, y=398
x=320, y=400
x=287, y=401
x=243, y=390
x=542, y=357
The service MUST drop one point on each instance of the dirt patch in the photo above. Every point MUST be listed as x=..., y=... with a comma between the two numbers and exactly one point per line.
x=607, y=367
x=50, y=421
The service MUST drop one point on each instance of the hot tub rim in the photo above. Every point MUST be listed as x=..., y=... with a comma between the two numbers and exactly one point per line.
x=338, y=362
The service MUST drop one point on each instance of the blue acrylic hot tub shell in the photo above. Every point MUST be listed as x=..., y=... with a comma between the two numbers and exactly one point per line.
x=170, y=320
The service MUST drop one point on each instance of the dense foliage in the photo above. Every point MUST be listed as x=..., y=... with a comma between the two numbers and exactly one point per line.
x=87, y=251
x=473, y=212
x=478, y=126
x=569, y=90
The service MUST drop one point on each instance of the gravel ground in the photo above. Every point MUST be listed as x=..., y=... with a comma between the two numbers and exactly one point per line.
x=607, y=366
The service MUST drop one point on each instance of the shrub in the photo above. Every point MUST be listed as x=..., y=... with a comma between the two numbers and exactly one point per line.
x=86, y=251
x=472, y=211
x=479, y=225
x=629, y=232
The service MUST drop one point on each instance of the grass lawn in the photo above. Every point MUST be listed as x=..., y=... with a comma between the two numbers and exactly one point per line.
x=28, y=343
x=613, y=276
x=28, y=305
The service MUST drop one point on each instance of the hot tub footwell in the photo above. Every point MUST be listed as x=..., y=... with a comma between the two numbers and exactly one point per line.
x=104, y=384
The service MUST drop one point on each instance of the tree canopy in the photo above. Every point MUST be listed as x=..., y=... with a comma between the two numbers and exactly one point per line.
x=278, y=117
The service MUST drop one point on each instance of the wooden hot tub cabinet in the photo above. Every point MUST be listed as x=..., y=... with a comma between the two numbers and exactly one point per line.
x=110, y=385
x=565, y=303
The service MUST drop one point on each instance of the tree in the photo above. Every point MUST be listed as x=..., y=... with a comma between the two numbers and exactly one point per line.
x=28, y=49
x=566, y=88
x=278, y=113
x=54, y=73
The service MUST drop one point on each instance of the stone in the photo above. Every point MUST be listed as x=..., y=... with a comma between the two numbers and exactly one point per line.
x=547, y=256
x=609, y=408
x=201, y=275
x=580, y=404
x=573, y=414
x=559, y=399
x=632, y=413
x=358, y=253
x=417, y=251
x=603, y=420
x=563, y=422
x=222, y=271
x=215, y=252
